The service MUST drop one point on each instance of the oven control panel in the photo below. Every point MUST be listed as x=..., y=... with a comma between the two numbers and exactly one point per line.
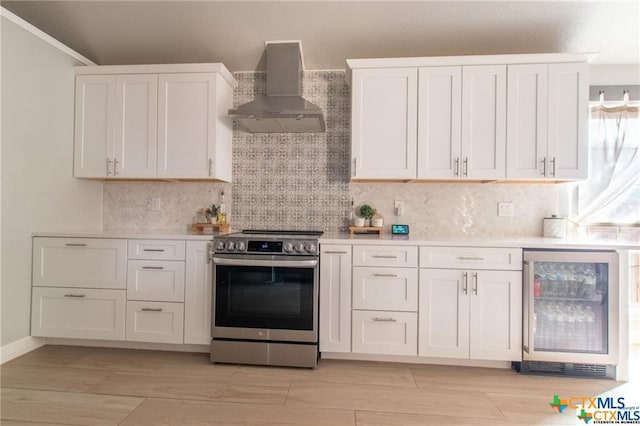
x=240, y=245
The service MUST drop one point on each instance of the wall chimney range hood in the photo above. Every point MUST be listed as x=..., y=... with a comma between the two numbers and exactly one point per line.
x=282, y=109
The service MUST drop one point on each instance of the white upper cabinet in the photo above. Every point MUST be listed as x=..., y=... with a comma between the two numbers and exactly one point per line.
x=547, y=121
x=439, y=122
x=146, y=122
x=484, y=103
x=483, y=118
x=383, y=126
x=568, y=120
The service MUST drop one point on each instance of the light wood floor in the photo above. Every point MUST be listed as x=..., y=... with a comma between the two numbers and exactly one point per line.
x=97, y=386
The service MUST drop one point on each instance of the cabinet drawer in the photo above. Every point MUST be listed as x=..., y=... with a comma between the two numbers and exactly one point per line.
x=157, y=249
x=385, y=256
x=79, y=262
x=159, y=322
x=391, y=289
x=471, y=258
x=160, y=280
x=385, y=332
x=80, y=313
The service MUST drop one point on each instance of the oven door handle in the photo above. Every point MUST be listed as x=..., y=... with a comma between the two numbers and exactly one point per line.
x=268, y=263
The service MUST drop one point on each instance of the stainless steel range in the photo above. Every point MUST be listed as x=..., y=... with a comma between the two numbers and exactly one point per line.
x=265, y=298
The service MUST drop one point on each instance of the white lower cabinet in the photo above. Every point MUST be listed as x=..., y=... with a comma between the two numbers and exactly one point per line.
x=385, y=332
x=470, y=314
x=394, y=289
x=78, y=313
x=158, y=322
x=159, y=280
x=335, y=298
x=197, y=297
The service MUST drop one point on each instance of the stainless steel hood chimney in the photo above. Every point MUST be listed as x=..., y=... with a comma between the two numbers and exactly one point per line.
x=282, y=110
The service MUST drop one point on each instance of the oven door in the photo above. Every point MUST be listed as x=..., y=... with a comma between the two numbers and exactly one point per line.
x=270, y=298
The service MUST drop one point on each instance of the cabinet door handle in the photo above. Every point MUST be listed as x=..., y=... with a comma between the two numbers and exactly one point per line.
x=209, y=252
x=74, y=295
x=553, y=166
x=470, y=258
x=464, y=283
x=475, y=283
x=154, y=250
x=108, y=167
x=75, y=245
x=466, y=166
x=152, y=267
x=152, y=309
x=385, y=275
x=544, y=166
x=210, y=166
x=115, y=167
x=384, y=256
x=334, y=252
x=376, y=319
x=456, y=168
x=353, y=172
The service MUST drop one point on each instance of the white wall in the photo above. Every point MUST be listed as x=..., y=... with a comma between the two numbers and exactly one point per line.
x=37, y=189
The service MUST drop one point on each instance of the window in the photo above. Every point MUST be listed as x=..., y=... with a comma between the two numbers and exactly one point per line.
x=611, y=195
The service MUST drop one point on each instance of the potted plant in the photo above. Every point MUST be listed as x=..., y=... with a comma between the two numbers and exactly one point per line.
x=367, y=212
x=212, y=213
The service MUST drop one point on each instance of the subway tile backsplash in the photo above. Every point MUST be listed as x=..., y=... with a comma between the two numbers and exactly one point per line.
x=301, y=181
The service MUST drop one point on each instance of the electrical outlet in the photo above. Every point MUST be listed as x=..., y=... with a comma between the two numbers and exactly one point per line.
x=155, y=204
x=505, y=209
x=398, y=208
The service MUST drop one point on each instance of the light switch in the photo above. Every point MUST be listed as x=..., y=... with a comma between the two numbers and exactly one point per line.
x=155, y=204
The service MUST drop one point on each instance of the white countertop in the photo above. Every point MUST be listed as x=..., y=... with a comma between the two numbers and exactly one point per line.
x=384, y=239
x=515, y=242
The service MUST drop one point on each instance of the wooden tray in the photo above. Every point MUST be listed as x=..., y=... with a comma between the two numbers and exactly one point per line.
x=198, y=228
x=366, y=230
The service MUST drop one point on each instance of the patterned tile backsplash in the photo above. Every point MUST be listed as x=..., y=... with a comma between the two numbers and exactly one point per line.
x=301, y=181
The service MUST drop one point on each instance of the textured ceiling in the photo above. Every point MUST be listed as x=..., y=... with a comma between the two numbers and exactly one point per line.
x=234, y=32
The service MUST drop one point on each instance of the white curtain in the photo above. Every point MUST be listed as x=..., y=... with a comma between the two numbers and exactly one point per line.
x=614, y=164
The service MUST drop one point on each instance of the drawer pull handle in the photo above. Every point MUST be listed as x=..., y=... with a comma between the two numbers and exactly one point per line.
x=334, y=252
x=384, y=319
x=74, y=295
x=153, y=267
x=470, y=258
x=384, y=256
x=156, y=250
x=75, y=245
x=152, y=309
x=385, y=275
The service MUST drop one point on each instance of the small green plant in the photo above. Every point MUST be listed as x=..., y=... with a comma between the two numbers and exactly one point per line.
x=211, y=211
x=367, y=211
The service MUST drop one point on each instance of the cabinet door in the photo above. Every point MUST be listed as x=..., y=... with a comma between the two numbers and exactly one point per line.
x=186, y=125
x=78, y=312
x=157, y=322
x=527, y=102
x=568, y=120
x=484, y=101
x=161, y=280
x=79, y=262
x=384, y=115
x=391, y=289
x=496, y=315
x=335, y=298
x=197, y=297
x=444, y=313
x=385, y=332
x=94, y=126
x=136, y=126
x=439, y=122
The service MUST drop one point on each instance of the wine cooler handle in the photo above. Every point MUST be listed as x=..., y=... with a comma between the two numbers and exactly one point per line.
x=527, y=338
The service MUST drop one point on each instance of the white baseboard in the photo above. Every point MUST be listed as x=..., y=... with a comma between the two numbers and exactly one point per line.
x=19, y=347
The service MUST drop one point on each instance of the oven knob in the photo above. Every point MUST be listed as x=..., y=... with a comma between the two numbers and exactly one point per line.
x=219, y=245
x=299, y=247
x=287, y=247
x=230, y=245
x=310, y=247
x=240, y=246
